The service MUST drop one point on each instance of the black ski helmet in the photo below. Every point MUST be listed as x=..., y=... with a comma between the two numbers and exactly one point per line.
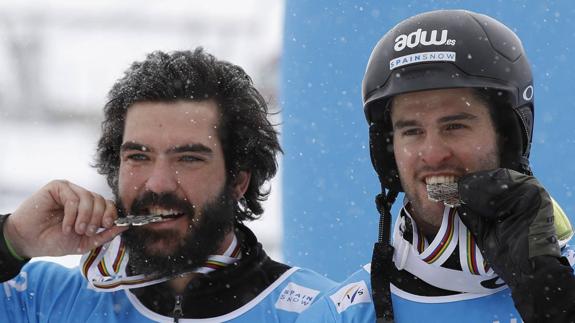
x=450, y=49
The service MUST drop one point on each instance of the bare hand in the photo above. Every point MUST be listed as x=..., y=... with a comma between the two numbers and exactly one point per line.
x=61, y=219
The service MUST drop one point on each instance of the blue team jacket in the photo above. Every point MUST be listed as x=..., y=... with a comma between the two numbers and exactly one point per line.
x=48, y=292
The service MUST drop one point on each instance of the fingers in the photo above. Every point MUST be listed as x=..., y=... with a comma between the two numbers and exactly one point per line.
x=84, y=211
x=98, y=208
x=110, y=214
x=70, y=201
x=497, y=194
x=483, y=191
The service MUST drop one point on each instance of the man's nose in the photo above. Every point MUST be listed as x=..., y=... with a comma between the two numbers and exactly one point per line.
x=163, y=177
x=435, y=150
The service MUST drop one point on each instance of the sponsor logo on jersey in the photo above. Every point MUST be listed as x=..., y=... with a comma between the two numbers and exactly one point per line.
x=296, y=298
x=423, y=38
x=350, y=294
x=421, y=58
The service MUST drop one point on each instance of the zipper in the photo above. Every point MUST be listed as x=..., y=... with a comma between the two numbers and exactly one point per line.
x=178, y=312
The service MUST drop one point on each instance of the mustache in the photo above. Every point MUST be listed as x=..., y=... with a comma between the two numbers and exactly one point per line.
x=142, y=203
x=442, y=168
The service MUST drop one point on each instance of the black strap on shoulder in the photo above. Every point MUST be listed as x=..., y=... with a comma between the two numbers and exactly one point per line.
x=382, y=260
x=9, y=264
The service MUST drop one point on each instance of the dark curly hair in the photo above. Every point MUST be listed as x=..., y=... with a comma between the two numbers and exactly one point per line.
x=249, y=140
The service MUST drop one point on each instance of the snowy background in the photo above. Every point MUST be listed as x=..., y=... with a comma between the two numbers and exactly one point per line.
x=59, y=58
x=330, y=220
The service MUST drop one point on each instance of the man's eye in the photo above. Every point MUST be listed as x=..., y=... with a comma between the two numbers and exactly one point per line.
x=412, y=132
x=455, y=126
x=189, y=159
x=137, y=157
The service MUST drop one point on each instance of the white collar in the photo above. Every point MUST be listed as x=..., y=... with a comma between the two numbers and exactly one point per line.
x=425, y=260
x=105, y=266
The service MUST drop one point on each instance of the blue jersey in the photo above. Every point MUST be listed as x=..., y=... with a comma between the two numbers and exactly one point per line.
x=424, y=292
x=351, y=302
x=48, y=292
x=428, y=288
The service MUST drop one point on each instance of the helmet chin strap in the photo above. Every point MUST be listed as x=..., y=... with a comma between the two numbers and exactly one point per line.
x=382, y=259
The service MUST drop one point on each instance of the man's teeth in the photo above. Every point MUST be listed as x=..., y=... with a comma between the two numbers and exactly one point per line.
x=163, y=212
x=442, y=179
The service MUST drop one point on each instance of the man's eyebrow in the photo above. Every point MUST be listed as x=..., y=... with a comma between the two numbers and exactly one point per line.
x=450, y=118
x=457, y=117
x=197, y=148
x=399, y=124
x=174, y=150
x=130, y=145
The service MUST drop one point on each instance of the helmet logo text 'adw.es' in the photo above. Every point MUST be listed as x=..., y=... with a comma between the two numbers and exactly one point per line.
x=420, y=37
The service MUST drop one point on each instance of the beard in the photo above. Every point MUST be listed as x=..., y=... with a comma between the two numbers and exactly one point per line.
x=204, y=234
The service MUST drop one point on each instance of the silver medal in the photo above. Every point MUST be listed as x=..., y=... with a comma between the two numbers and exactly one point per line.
x=444, y=192
x=137, y=220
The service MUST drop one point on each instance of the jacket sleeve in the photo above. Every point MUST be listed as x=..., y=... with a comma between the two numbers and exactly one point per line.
x=10, y=265
x=512, y=217
x=548, y=295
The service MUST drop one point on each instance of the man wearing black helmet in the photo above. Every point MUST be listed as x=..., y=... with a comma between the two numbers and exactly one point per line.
x=449, y=100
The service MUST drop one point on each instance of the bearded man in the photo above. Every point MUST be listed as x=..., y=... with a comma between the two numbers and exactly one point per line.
x=186, y=147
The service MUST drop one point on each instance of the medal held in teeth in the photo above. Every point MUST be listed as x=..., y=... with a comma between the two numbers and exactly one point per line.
x=445, y=191
x=137, y=220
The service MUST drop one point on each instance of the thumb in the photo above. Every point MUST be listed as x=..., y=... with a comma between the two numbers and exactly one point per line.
x=480, y=190
x=480, y=193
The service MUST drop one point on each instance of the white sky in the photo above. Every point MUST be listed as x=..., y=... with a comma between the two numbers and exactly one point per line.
x=80, y=48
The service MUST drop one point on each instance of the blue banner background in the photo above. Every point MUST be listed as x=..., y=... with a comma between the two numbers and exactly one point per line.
x=329, y=185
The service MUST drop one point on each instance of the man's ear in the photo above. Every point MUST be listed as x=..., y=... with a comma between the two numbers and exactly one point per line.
x=241, y=183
